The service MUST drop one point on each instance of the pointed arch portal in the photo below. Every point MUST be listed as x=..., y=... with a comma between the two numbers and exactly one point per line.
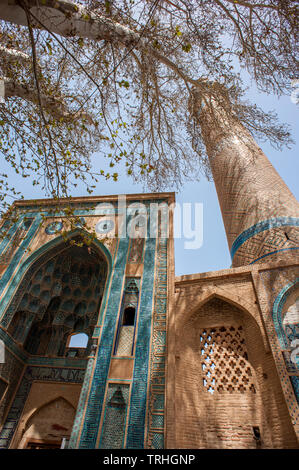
x=60, y=294
x=223, y=381
x=56, y=293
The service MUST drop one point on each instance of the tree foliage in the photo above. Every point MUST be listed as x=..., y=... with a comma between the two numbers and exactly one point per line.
x=115, y=78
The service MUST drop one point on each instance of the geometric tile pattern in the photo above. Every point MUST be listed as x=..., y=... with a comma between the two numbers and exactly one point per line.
x=148, y=384
x=225, y=368
x=52, y=279
x=262, y=226
x=139, y=391
x=17, y=255
x=81, y=403
x=278, y=343
x=125, y=341
x=125, y=335
x=15, y=241
x=115, y=416
x=295, y=383
x=263, y=244
x=155, y=431
x=87, y=419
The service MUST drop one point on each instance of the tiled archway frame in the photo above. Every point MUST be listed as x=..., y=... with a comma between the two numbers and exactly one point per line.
x=21, y=279
x=11, y=298
x=290, y=384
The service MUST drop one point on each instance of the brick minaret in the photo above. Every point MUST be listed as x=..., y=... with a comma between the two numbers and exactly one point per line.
x=260, y=214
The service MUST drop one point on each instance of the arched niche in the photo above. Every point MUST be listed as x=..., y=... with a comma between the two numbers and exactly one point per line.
x=47, y=426
x=60, y=294
x=227, y=389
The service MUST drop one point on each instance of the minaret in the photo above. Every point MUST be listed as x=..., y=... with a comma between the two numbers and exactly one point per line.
x=260, y=214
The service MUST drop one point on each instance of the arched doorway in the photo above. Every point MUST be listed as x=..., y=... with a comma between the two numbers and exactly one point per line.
x=49, y=425
x=227, y=388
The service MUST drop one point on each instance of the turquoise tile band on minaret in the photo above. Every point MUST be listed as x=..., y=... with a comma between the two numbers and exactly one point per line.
x=261, y=227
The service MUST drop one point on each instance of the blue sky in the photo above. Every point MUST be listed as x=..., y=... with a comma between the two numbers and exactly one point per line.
x=214, y=253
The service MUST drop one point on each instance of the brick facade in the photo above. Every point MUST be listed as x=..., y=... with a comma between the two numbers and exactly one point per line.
x=229, y=375
x=209, y=361
x=260, y=214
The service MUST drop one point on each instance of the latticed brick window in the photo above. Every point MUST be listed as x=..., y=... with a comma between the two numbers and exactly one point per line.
x=224, y=360
x=124, y=344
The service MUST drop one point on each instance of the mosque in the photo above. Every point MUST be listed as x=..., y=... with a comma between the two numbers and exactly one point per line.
x=208, y=360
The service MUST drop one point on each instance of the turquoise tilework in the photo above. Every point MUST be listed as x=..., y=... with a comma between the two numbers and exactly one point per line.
x=136, y=424
x=260, y=227
x=81, y=404
x=71, y=362
x=16, y=259
x=4, y=243
x=277, y=312
x=115, y=417
x=277, y=319
x=96, y=396
x=295, y=384
x=93, y=390
x=29, y=263
x=137, y=283
x=273, y=252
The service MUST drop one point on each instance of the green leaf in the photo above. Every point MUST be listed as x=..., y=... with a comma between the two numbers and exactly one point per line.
x=177, y=31
x=49, y=48
x=186, y=47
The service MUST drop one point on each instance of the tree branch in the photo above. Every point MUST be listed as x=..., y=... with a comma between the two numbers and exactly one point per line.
x=13, y=54
x=68, y=19
x=52, y=105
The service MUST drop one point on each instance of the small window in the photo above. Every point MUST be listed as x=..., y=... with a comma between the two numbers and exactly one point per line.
x=129, y=316
x=79, y=340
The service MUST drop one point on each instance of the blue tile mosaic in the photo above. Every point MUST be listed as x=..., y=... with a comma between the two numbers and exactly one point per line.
x=281, y=333
x=260, y=227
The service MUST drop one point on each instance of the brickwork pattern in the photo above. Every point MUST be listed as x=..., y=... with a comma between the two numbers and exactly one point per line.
x=269, y=245
x=156, y=412
x=225, y=418
x=47, y=374
x=249, y=189
x=15, y=241
x=125, y=342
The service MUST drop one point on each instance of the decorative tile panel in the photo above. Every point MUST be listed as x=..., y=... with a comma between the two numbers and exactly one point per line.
x=113, y=431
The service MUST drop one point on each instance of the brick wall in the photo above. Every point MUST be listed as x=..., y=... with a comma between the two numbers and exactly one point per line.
x=250, y=191
x=226, y=417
